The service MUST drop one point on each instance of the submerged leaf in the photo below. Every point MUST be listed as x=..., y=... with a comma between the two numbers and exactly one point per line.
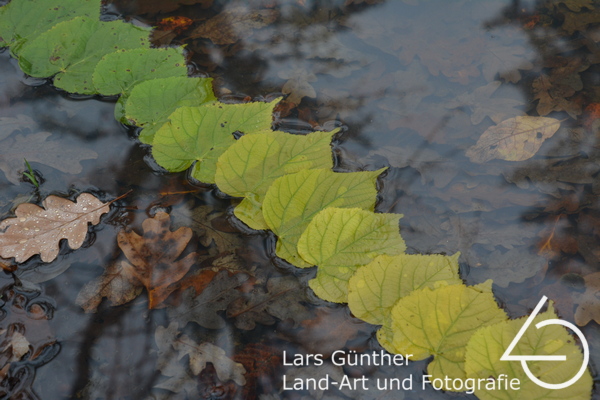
x=339, y=240
x=25, y=19
x=440, y=322
x=10, y=124
x=251, y=164
x=376, y=288
x=72, y=49
x=172, y=347
x=63, y=155
x=201, y=134
x=118, y=284
x=281, y=299
x=294, y=199
x=203, y=308
x=154, y=256
x=119, y=72
x=515, y=139
x=37, y=230
x=488, y=344
x=151, y=102
x=233, y=24
x=588, y=302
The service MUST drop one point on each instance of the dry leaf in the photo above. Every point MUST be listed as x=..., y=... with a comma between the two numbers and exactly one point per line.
x=37, y=230
x=515, y=139
x=231, y=25
x=153, y=256
x=60, y=154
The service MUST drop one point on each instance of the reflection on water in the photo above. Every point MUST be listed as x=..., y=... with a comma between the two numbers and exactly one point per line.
x=415, y=84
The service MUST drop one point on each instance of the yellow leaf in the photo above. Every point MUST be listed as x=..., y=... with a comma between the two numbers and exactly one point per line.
x=377, y=287
x=488, y=344
x=440, y=322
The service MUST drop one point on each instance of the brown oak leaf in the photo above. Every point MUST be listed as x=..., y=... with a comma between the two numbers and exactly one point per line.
x=153, y=257
x=37, y=230
x=152, y=262
x=117, y=283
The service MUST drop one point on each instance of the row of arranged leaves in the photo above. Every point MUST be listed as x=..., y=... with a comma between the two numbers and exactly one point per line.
x=320, y=217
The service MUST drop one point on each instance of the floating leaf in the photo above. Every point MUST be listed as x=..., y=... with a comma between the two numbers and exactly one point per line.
x=201, y=134
x=37, y=230
x=376, y=288
x=339, y=240
x=72, y=49
x=25, y=19
x=440, y=322
x=63, y=155
x=488, y=344
x=154, y=256
x=515, y=139
x=151, y=102
x=251, y=164
x=120, y=71
x=294, y=199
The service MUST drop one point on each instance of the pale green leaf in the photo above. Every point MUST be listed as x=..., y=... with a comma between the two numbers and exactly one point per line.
x=201, y=134
x=151, y=102
x=488, y=344
x=21, y=20
x=71, y=49
x=340, y=240
x=293, y=200
x=440, y=322
x=119, y=72
x=250, y=166
x=376, y=288
x=349, y=236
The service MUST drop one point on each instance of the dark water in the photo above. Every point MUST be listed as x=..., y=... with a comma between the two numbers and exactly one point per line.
x=414, y=84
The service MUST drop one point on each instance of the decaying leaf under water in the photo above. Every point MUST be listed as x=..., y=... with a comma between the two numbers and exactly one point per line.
x=169, y=341
x=63, y=155
x=152, y=262
x=515, y=139
x=37, y=230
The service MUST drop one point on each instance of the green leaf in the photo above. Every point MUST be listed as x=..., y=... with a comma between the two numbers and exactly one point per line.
x=71, y=49
x=201, y=134
x=340, y=240
x=22, y=20
x=151, y=102
x=440, y=322
x=488, y=344
x=376, y=288
x=119, y=72
x=294, y=199
x=251, y=164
